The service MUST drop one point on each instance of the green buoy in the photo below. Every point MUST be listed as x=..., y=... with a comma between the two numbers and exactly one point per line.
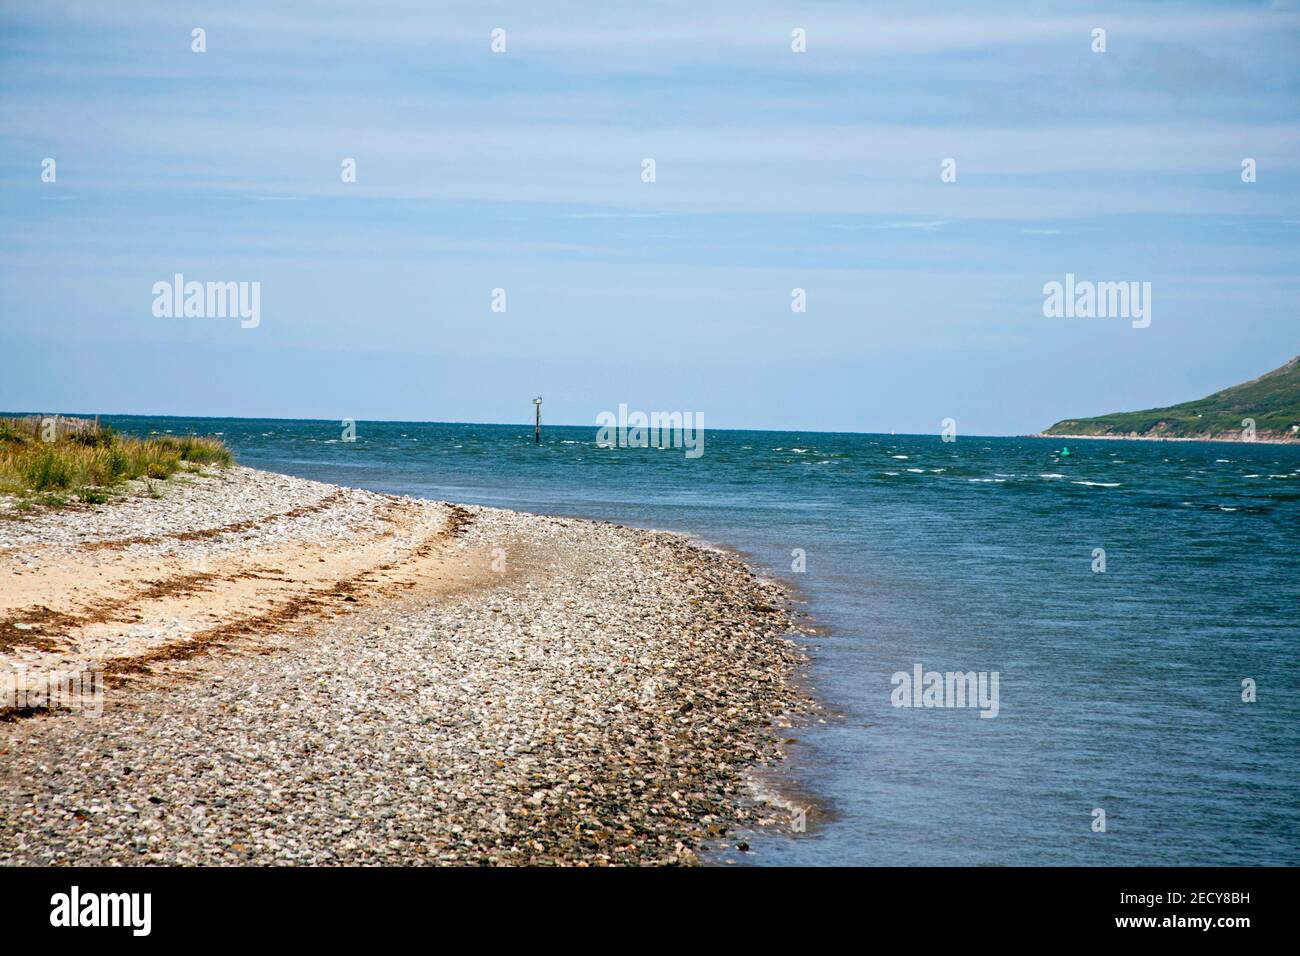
x=1065, y=452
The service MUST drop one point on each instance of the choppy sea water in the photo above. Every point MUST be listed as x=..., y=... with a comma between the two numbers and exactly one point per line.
x=1118, y=690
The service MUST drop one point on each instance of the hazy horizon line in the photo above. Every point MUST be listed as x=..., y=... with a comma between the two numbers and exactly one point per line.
x=520, y=424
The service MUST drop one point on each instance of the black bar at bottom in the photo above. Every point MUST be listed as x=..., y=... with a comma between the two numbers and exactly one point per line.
x=215, y=906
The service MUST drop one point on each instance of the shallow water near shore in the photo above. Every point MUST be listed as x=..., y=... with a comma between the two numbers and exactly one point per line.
x=1119, y=690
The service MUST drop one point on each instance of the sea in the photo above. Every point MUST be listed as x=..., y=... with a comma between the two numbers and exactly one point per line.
x=1137, y=602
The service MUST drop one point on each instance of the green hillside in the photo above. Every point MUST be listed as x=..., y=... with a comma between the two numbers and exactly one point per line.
x=1272, y=400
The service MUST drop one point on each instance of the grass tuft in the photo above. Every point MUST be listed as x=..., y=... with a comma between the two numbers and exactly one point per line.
x=86, y=461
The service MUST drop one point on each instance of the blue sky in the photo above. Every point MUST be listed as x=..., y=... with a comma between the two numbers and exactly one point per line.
x=522, y=171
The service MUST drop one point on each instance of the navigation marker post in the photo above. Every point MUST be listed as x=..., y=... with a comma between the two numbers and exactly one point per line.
x=537, y=422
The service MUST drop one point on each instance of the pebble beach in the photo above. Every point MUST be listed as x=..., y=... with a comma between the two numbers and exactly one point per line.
x=295, y=673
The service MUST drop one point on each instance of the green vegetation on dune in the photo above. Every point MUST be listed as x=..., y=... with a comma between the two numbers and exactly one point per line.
x=57, y=457
x=1272, y=401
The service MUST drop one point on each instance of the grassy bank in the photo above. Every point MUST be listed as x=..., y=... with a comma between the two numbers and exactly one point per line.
x=59, y=460
x=1271, y=402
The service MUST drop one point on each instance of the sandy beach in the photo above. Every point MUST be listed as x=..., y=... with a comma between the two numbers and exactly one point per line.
x=298, y=673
